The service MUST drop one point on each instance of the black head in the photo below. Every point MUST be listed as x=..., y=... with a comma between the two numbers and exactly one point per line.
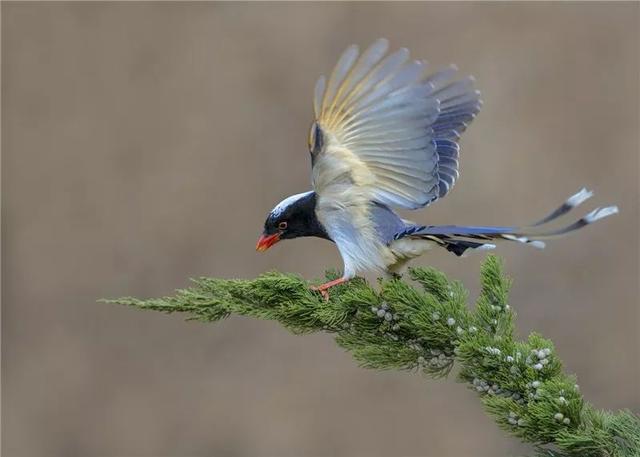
x=293, y=217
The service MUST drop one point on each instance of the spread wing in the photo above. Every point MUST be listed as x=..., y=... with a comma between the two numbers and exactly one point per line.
x=383, y=124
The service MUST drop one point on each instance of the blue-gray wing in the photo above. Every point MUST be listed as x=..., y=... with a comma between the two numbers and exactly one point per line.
x=389, y=127
x=459, y=105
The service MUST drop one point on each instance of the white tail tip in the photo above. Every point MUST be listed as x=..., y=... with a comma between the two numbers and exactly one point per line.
x=600, y=213
x=580, y=197
x=484, y=247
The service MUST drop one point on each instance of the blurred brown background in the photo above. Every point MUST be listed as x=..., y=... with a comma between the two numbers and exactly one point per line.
x=143, y=144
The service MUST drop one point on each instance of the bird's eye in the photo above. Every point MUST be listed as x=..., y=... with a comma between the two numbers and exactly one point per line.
x=282, y=225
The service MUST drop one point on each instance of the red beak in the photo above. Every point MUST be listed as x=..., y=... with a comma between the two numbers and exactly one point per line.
x=266, y=241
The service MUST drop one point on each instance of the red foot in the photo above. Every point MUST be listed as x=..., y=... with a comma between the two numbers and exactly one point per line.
x=324, y=288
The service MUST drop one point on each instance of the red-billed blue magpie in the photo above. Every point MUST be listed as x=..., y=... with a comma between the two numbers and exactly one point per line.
x=386, y=136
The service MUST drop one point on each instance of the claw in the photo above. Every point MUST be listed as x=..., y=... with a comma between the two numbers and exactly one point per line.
x=324, y=288
x=323, y=292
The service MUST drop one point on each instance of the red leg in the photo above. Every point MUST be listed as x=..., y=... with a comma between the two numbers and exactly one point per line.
x=324, y=288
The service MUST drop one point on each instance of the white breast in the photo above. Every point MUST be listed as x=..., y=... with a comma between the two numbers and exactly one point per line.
x=355, y=237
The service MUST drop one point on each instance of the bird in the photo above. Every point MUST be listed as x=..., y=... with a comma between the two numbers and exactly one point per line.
x=385, y=137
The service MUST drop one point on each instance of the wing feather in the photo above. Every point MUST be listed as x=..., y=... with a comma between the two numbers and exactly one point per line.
x=388, y=65
x=341, y=69
x=318, y=94
x=362, y=67
x=389, y=129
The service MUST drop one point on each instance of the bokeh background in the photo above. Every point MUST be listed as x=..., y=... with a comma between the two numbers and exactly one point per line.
x=144, y=143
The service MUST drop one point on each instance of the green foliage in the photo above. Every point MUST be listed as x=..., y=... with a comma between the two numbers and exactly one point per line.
x=520, y=383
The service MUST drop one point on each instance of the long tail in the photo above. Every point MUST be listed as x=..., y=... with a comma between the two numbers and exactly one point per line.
x=458, y=239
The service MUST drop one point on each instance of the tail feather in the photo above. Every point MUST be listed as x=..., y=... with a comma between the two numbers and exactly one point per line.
x=458, y=239
x=570, y=203
x=593, y=216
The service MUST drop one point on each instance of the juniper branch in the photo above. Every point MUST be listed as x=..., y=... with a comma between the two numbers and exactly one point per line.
x=520, y=383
